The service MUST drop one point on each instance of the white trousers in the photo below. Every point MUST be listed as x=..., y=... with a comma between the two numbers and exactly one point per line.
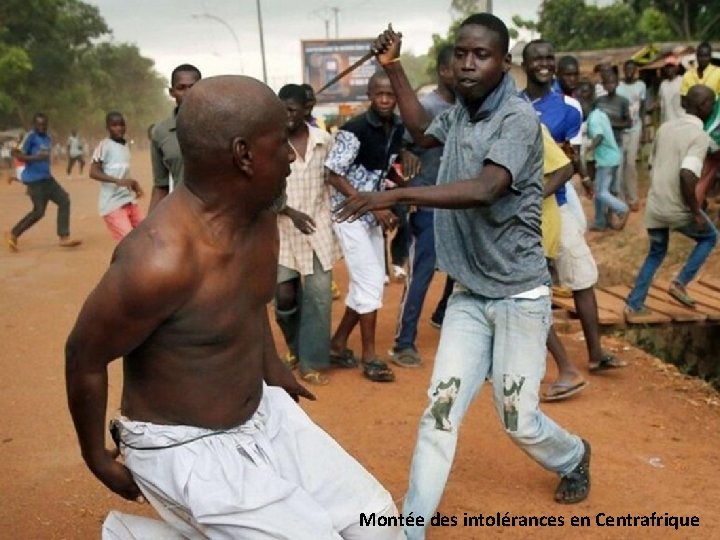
x=278, y=476
x=363, y=247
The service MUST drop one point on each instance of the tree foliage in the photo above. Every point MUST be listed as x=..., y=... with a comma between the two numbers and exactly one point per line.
x=55, y=57
x=575, y=24
x=697, y=20
x=416, y=69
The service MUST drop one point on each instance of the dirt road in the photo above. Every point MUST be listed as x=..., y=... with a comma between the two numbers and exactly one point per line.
x=655, y=433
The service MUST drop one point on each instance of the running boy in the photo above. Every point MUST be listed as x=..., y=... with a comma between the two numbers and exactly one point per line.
x=118, y=192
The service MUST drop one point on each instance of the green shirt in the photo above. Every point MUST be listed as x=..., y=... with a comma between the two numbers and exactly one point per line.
x=165, y=154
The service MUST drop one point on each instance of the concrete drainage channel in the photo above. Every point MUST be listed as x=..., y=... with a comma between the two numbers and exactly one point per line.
x=694, y=347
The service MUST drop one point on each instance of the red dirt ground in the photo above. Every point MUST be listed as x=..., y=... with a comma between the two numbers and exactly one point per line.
x=655, y=432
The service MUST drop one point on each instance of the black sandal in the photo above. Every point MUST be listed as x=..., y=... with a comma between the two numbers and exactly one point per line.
x=345, y=359
x=608, y=361
x=575, y=486
x=378, y=371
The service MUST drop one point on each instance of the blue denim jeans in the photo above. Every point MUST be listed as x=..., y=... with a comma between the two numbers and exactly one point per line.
x=422, y=269
x=659, y=239
x=603, y=198
x=503, y=339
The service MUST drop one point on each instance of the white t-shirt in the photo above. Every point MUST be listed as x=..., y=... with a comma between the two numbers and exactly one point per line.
x=75, y=146
x=115, y=160
x=669, y=96
x=635, y=94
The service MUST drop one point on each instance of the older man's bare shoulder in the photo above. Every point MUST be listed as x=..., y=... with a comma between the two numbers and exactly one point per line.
x=159, y=249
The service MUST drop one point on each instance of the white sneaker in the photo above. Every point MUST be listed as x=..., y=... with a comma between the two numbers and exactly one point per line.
x=399, y=272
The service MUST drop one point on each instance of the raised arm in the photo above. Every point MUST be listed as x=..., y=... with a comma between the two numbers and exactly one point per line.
x=413, y=114
x=121, y=312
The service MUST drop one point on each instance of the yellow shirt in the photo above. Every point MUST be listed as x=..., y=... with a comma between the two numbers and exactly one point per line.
x=711, y=78
x=553, y=159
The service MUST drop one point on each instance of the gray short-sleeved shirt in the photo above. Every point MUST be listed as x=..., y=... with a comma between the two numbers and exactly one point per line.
x=165, y=154
x=494, y=251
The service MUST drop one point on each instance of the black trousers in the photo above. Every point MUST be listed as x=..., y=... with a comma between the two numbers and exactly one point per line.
x=41, y=193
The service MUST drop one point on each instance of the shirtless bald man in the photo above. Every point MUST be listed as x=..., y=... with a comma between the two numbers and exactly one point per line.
x=205, y=433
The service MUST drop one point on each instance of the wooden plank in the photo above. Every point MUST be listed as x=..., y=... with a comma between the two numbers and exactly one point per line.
x=701, y=294
x=661, y=293
x=616, y=303
x=711, y=282
x=606, y=317
x=676, y=311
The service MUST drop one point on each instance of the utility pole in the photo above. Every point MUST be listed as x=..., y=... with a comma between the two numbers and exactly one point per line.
x=336, y=10
x=226, y=25
x=262, y=41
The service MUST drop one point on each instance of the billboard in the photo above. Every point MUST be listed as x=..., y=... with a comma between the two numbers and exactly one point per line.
x=324, y=59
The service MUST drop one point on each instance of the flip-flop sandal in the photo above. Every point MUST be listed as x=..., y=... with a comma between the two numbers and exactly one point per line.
x=69, y=243
x=608, y=362
x=576, y=482
x=315, y=377
x=559, y=391
x=378, y=371
x=11, y=243
x=290, y=360
x=345, y=359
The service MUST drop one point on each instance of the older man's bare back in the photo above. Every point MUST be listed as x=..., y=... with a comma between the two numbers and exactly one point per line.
x=203, y=363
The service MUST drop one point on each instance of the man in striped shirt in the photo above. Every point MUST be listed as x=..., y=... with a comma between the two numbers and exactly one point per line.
x=307, y=246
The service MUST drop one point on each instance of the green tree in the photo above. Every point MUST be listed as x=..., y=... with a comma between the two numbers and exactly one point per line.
x=654, y=25
x=14, y=65
x=416, y=68
x=573, y=24
x=53, y=58
x=689, y=19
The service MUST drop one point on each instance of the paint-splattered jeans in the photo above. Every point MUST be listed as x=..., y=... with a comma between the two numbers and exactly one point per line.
x=502, y=339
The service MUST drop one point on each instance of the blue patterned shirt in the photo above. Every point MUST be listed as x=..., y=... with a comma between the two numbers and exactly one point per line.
x=362, y=153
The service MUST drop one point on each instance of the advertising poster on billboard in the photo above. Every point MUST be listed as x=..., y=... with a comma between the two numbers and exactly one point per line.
x=324, y=59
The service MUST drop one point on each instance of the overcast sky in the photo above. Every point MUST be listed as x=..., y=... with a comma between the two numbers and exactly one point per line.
x=169, y=31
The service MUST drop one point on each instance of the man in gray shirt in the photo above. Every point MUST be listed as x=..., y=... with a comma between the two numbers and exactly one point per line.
x=489, y=240
x=167, y=163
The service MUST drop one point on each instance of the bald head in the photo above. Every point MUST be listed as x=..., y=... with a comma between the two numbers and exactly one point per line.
x=700, y=101
x=218, y=110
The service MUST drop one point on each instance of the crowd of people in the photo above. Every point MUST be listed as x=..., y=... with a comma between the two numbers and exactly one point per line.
x=252, y=203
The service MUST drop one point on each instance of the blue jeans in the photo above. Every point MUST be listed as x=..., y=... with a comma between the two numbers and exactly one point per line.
x=422, y=270
x=306, y=327
x=505, y=339
x=659, y=239
x=603, y=198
